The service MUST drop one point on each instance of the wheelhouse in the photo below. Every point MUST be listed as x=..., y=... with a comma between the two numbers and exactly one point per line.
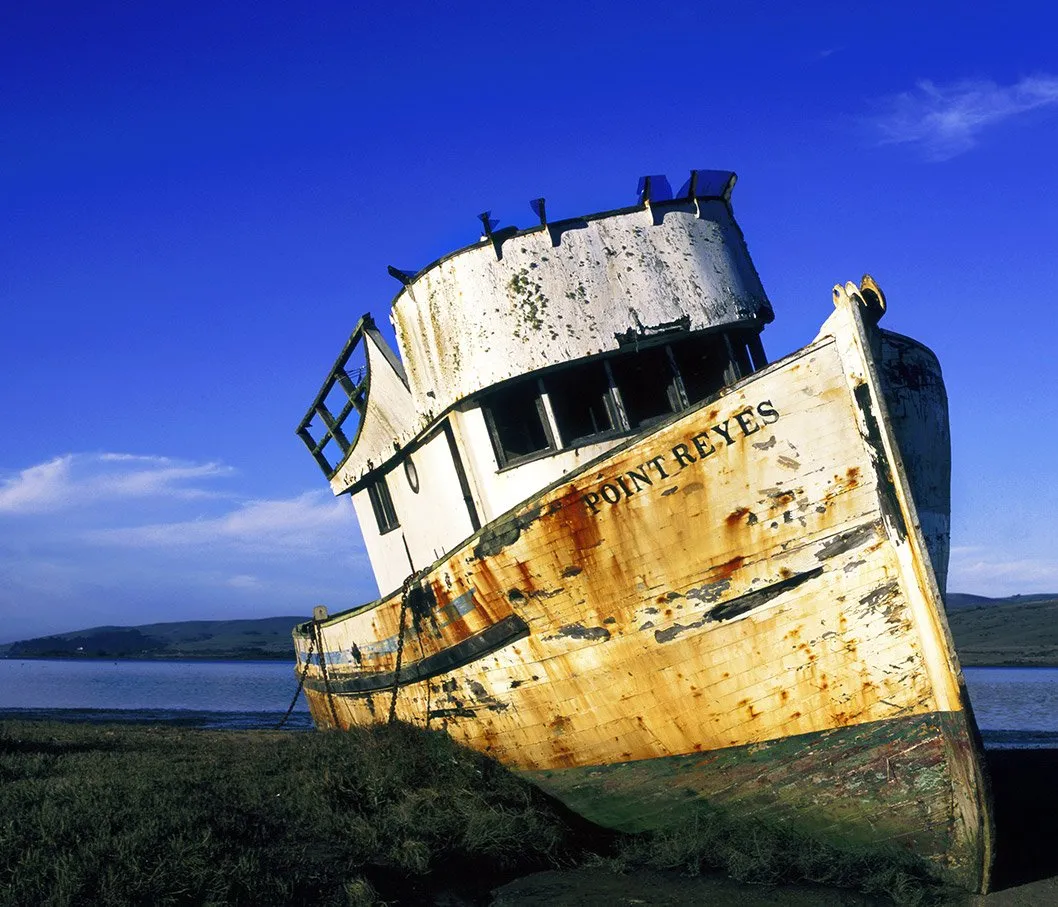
x=526, y=355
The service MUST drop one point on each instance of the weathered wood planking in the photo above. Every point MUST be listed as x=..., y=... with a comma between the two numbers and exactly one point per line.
x=749, y=581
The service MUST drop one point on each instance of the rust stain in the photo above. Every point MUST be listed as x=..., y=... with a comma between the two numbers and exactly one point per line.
x=735, y=517
x=750, y=681
x=559, y=724
x=725, y=570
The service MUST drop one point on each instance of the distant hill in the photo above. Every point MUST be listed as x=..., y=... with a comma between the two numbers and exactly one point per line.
x=965, y=600
x=1019, y=630
x=266, y=638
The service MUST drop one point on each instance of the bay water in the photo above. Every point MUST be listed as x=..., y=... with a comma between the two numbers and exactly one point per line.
x=1015, y=707
x=208, y=694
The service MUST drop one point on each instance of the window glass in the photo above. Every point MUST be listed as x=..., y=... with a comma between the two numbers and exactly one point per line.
x=582, y=402
x=382, y=505
x=647, y=386
x=517, y=423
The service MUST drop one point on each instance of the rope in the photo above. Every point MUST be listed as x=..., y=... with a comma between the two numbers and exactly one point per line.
x=317, y=640
x=405, y=592
x=429, y=689
x=326, y=676
x=301, y=684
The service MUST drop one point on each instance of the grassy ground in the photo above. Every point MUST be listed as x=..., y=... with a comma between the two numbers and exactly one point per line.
x=120, y=815
x=157, y=815
x=1007, y=632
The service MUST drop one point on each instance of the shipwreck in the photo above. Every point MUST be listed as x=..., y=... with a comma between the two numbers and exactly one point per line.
x=626, y=555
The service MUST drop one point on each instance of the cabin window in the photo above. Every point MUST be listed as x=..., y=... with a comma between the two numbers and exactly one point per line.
x=582, y=402
x=702, y=363
x=518, y=422
x=382, y=505
x=648, y=386
x=756, y=351
x=739, y=356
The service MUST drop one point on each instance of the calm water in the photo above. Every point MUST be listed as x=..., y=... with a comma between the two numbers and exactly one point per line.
x=1015, y=707
x=241, y=694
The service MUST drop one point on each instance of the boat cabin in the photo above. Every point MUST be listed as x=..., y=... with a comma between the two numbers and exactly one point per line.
x=526, y=355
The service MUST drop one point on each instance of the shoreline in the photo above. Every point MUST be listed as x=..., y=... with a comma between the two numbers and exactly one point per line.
x=288, y=658
x=248, y=659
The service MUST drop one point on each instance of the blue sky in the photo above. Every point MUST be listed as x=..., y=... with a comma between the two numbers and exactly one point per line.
x=199, y=200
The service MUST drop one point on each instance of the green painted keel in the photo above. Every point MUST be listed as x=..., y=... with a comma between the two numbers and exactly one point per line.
x=884, y=783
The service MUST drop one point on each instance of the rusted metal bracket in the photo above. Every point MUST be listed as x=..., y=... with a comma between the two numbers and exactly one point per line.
x=496, y=237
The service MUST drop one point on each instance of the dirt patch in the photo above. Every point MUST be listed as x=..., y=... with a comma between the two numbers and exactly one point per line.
x=600, y=888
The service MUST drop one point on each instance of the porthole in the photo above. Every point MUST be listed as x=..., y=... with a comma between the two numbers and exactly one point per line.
x=412, y=474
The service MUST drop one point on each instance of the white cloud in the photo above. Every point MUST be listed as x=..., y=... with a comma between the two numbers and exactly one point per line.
x=36, y=488
x=87, y=539
x=290, y=524
x=75, y=480
x=990, y=572
x=946, y=120
x=244, y=581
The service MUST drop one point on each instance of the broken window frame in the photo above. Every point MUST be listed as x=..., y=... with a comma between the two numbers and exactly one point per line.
x=743, y=355
x=490, y=407
x=675, y=395
x=382, y=505
x=604, y=395
x=688, y=356
x=355, y=386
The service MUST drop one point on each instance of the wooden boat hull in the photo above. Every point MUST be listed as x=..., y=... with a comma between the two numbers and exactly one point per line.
x=739, y=606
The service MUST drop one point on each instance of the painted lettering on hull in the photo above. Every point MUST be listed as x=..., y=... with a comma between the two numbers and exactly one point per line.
x=700, y=446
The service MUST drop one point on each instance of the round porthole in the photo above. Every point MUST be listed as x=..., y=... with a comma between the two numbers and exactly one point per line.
x=412, y=475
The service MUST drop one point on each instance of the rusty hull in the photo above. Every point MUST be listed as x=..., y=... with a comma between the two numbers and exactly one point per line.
x=739, y=605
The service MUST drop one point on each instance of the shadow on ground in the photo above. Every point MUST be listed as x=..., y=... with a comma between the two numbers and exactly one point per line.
x=1025, y=797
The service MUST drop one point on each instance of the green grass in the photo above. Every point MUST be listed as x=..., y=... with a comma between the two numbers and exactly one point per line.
x=158, y=815
x=765, y=854
x=1016, y=631
x=95, y=815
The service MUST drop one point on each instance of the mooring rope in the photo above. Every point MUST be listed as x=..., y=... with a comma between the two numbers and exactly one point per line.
x=323, y=670
x=405, y=593
x=301, y=684
x=316, y=640
x=429, y=689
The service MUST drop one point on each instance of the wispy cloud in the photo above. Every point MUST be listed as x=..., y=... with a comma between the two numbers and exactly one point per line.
x=76, y=480
x=946, y=120
x=119, y=538
x=291, y=524
x=244, y=581
x=986, y=571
